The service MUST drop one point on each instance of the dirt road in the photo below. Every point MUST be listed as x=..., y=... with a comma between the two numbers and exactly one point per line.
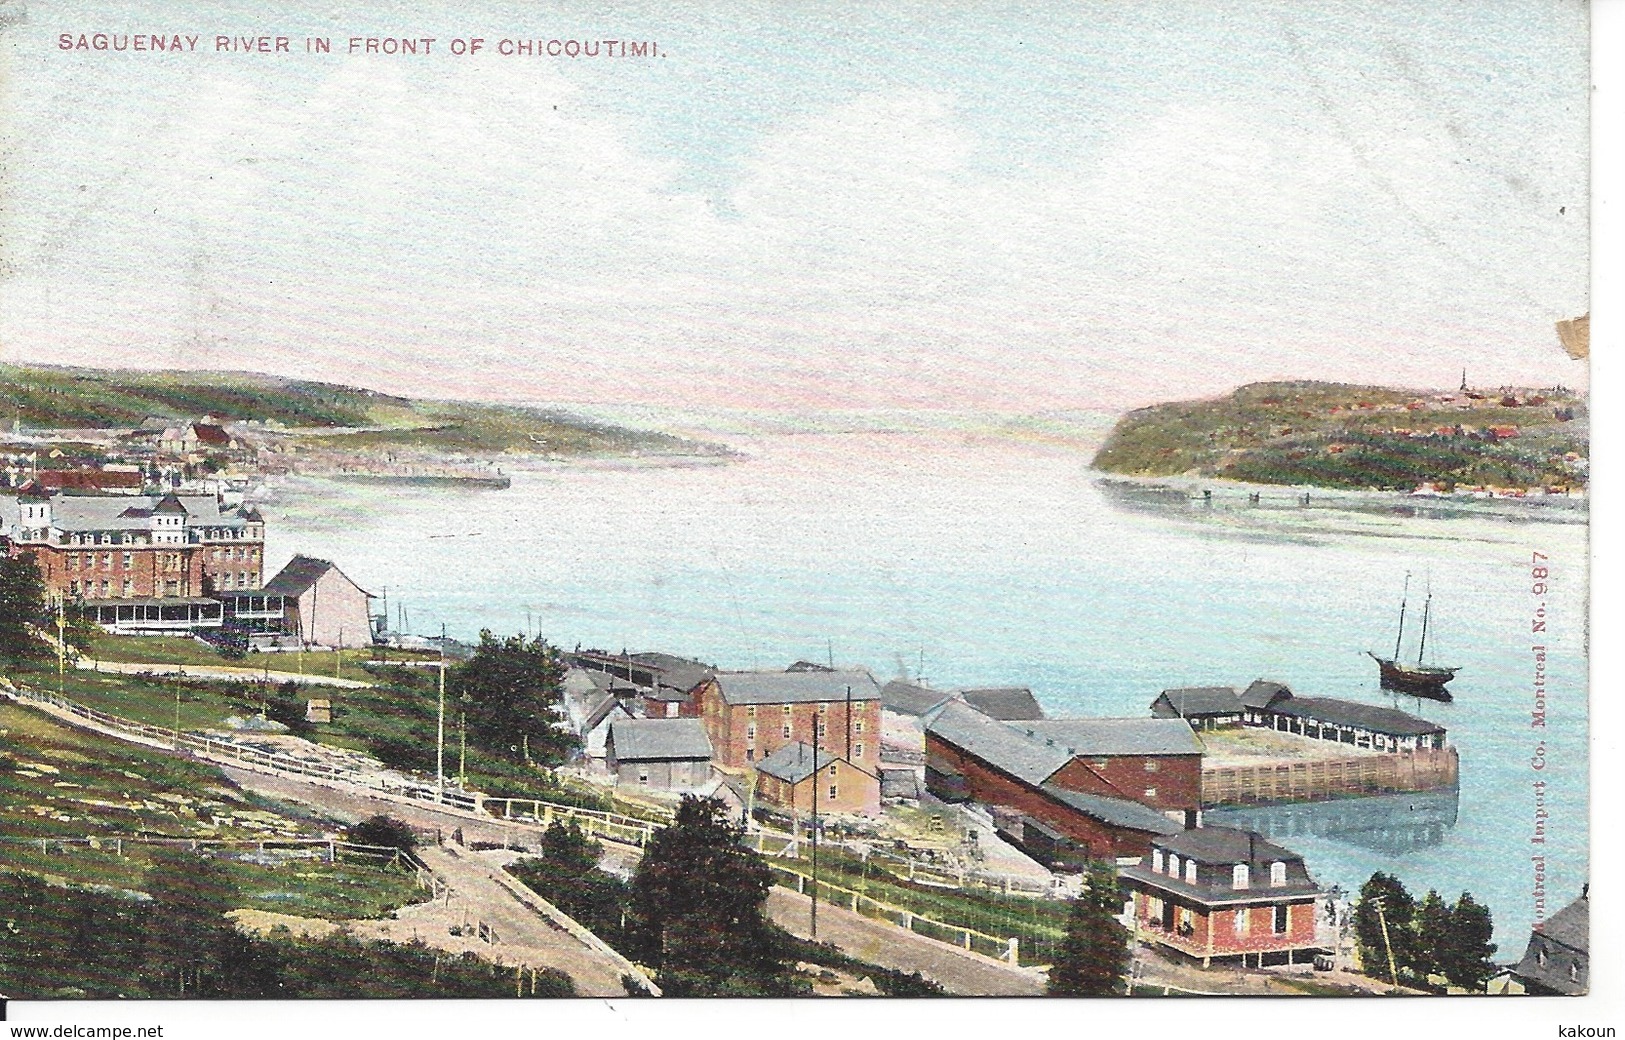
x=960, y=973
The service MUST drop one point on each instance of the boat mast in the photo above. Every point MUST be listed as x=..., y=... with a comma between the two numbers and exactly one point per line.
x=1420, y=647
x=1402, y=600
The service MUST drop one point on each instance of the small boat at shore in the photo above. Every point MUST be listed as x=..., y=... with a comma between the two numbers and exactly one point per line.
x=1419, y=679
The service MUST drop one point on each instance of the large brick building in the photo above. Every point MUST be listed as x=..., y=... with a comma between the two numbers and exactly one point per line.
x=750, y=715
x=1220, y=892
x=118, y=550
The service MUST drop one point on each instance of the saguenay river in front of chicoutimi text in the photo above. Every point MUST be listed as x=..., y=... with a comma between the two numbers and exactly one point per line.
x=1004, y=560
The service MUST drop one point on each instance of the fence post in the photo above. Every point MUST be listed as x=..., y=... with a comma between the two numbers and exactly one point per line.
x=801, y=886
x=908, y=920
x=967, y=938
x=332, y=853
x=1013, y=955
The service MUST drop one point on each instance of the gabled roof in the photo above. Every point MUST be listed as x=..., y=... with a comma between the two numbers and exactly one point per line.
x=170, y=503
x=795, y=687
x=1029, y=760
x=1571, y=925
x=1108, y=737
x=602, y=708
x=809, y=666
x=1195, y=701
x=1118, y=812
x=300, y=573
x=1263, y=693
x=1389, y=721
x=794, y=762
x=906, y=698
x=1006, y=703
x=1222, y=845
x=209, y=433
x=652, y=740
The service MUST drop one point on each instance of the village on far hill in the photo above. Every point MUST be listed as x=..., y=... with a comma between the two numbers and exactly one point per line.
x=1505, y=442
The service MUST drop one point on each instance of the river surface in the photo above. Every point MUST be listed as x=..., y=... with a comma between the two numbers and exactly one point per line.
x=975, y=555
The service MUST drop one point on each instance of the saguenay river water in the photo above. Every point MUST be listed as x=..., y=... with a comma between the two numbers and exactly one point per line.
x=992, y=558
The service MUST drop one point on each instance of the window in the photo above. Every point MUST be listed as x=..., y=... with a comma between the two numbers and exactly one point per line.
x=750, y=754
x=857, y=727
x=1150, y=792
x=73, y=587
x=1239, y=876
x=107, y=561
x=1173, y=865
x=832, y=770
x=643, y=777
x=1190, y=872
x=129, y=588
x=1243, y=921
x=832, y=792
x=823, y=707
x=73, y=561
x=105, y=588
x=1277, y=874
x=786, y=731
x=1282, y=914
x=750, y=712
x=1154, y=905
x=1150, y=766
x=787, y=711
x=857, y=752
x=129, y=560
x=671, y=706
x=225, y=581
x=750, y=733
x=1156, y=861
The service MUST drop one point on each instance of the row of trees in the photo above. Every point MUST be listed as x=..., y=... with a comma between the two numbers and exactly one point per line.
x=25, y=607
x=1427, y=937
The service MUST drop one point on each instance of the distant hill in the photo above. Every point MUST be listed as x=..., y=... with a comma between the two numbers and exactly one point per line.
x=329, y=416
x=1340, y=435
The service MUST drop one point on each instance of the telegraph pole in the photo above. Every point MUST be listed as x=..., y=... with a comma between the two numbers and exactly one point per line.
x=440, y=734
x=61, y=644
x=816, y=724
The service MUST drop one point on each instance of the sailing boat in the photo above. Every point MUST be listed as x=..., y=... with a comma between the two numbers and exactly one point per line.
x=1420, y=679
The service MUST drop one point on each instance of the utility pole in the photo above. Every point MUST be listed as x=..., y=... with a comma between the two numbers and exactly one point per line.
x=177, y=717
x=1382, y=919
x=61, y=644
x=815, y=829
x=440, y=734
x=462, y=749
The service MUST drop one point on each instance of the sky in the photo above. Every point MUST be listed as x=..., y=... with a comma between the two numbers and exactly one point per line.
x=956, y=205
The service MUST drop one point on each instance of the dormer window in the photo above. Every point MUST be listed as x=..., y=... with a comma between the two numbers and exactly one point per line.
x=1574, y=971
x=1173, y=865
x=1277, y=874
x=1540, y=956
x=1190, y=872
x=1156, y=861
x=1239, y=876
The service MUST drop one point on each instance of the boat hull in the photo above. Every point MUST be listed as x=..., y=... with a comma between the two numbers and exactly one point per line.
x=1421, y=680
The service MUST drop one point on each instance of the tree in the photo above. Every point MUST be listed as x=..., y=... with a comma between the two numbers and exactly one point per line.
x=1465, y=958
x=697, y=910
x=384, y=832
x=1397, y=912
x=188, y=928
x=22, y=604
x=567, y=875
x=1432, y=926
x=510, y=686
x=1094, y=956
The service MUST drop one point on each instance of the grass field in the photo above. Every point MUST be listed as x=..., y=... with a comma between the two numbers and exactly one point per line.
x=57, y=781
x=1038, y=923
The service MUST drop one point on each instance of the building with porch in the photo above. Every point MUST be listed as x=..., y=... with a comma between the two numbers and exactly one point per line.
x=1220, y=892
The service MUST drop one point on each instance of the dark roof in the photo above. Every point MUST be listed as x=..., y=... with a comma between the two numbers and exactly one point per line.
x=1006, y=703
x=1262, y=693
x=1195, y=701
x=647, y=740
x=794, y=762
x=809, y=666
x=299, y=574
x=1571, y=925
x=208, y=433
x=169, y=504
x=899, y=783
x=795, y=687
x=1118, y=812
x=905, y=698
x=1565, y=939
x=1030, y=760
x=601, y=709
x=33, y=489
x=1223, y=845
x=1391, y=721
x=1108, y=737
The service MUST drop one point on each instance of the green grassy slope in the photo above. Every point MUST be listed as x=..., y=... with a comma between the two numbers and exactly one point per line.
x=1346, y=436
